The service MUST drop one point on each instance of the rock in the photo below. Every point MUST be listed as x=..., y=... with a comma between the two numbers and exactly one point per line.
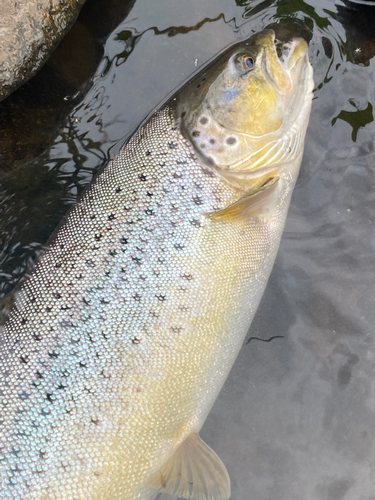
x=29, y=31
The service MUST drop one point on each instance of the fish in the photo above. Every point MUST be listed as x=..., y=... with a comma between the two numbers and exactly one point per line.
x=122, y=336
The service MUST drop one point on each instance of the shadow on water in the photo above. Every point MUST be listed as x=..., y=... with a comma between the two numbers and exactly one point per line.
x=296, y=418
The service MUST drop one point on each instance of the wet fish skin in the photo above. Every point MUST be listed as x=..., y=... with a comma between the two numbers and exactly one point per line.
x=124, y=334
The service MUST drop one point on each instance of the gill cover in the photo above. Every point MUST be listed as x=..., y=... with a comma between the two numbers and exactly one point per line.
x=247, y=113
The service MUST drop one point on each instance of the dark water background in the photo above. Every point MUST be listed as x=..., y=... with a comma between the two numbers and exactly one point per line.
x=296, y=417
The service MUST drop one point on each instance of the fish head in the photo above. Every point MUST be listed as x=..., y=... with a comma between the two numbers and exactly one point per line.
x=250, y=109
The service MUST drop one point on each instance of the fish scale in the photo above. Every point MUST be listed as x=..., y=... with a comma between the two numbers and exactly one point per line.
x=124, y=333
x=72, y=324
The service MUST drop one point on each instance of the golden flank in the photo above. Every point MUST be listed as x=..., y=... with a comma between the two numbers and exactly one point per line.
x=124, y=334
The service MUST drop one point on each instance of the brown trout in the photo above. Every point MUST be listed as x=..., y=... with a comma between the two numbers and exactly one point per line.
x=123, y=335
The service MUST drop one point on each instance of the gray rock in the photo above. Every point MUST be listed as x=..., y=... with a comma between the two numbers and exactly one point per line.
x=29, y=31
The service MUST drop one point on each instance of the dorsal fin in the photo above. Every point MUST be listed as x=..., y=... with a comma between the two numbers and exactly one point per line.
x=194, y=471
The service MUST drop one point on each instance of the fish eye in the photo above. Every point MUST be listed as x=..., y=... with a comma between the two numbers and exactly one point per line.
x=248, y=62
x=245, y=62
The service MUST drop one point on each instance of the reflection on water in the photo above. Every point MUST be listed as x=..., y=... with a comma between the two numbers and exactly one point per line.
x=356, y=119
x=296, y=418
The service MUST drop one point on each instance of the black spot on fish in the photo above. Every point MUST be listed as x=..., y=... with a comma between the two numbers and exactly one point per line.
x=111, y=216
x=92, y=217
x=148, y=153
x=104, y=301
x=178, y=246
x=231, y=140
x=48, y=309
x=196, y=133
x=79, y=277
x=195, y=222
x=142, y=177
x=160, y=297
x=86, y=301
x=57, y=295
x=65, y=323
x=23, y=359
x=90, y=263
x=172, y=145
x=212, y=141
x=187, y=276
x=137, y=297
x=112, y=253
x=98, y=236
x=123, y=240
x=198, y=200
x=58, y=264
x=203, y=120
x=107, y=273
x=118, y=189
x=149, y=211
x=53, y=354
x=23, y=321
x=137, y=260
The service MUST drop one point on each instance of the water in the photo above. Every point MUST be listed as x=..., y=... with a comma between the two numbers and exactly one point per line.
x=296, y=418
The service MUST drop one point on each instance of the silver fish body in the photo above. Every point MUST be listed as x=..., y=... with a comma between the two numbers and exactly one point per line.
x=125, y=332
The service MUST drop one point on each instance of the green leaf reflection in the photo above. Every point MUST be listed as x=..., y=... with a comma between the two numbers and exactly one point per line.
x=356, y=119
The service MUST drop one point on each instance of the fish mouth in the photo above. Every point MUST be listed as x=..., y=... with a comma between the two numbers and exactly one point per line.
x=280, y=70
x=293, y=50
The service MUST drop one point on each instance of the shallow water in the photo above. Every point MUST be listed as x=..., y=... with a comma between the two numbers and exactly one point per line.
x=296, y=417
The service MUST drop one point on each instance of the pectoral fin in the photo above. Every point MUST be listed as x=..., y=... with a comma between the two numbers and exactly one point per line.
x=194, y=471
x=251, y=203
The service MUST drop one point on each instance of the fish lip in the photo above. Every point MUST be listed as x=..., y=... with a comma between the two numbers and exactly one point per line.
x=291, y=47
